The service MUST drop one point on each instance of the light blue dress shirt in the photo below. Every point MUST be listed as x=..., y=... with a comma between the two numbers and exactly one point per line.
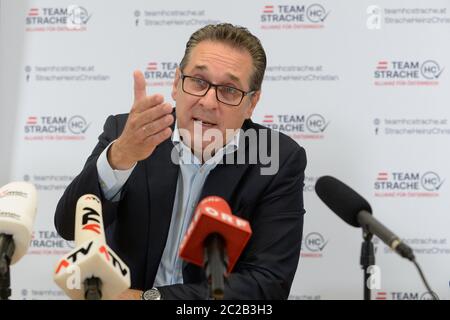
x=191, y=178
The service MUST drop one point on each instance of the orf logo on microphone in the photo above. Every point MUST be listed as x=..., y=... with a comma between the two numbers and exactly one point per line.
x=226, y=217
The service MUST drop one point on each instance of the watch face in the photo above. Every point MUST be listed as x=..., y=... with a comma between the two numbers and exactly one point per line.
x=152, y=294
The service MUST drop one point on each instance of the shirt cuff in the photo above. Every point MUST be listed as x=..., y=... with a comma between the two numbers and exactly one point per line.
x=111, y=180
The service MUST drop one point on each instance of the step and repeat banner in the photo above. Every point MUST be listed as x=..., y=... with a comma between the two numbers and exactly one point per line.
x=363, y=86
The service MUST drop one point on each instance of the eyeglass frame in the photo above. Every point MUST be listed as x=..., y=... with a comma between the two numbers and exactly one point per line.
x=244, y=93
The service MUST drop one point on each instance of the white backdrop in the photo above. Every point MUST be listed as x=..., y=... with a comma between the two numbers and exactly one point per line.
x=362, y=85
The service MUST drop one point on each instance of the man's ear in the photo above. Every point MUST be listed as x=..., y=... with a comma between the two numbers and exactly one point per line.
x=253, y=101
x=176, y=81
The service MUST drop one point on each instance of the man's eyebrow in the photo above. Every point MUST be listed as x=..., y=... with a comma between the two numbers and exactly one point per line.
x=201, y=68
x=229, y=75
x=234, y=78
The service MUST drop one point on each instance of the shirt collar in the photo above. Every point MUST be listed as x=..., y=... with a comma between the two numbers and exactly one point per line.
x=187, y=157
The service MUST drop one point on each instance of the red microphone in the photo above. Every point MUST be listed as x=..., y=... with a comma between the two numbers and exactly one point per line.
x=215, y=240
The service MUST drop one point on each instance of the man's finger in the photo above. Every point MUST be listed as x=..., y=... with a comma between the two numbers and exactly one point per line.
x=148, y=102
x=158, y=125
x=139, y=85
x=152, y=114
x=159, y=137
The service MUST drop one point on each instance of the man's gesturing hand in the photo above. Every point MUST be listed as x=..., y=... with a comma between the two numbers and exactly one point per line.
x=147, y=126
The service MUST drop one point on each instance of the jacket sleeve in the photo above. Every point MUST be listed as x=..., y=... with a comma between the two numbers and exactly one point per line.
x=267, y=266
x=86, y=182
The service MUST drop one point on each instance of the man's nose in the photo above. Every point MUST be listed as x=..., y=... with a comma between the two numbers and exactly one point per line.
x=209, y=100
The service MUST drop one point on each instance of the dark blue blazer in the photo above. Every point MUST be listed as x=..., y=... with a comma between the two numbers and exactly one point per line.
x=137, y=226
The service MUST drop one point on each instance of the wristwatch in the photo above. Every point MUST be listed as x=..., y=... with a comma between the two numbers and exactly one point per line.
x=152, y=294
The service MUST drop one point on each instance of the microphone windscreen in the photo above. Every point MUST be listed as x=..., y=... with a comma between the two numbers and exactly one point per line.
x=213, y=215
x=341, y=199
x=18, y=205
x=92, y=259
x=88, y=220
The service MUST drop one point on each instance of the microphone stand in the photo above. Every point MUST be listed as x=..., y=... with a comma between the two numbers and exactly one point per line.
x=92, y=288
x=367, y=259
x=7, y=248
x=215, y=265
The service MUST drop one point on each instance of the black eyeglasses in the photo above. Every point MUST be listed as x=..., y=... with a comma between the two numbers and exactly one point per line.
x=225, y=94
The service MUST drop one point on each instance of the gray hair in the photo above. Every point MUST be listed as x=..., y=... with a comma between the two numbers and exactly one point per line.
x=237, y=37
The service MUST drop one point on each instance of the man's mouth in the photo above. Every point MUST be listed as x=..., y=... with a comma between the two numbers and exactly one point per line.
x=204, y=123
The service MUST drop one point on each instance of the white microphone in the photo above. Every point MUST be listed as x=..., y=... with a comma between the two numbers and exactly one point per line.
x=17, y=212
x=92, y=270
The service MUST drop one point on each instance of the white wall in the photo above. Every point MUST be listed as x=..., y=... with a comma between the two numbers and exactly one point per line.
x=320, y=85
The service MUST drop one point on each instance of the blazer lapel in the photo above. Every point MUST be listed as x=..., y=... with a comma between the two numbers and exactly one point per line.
x=162, y=177
x=224, y=179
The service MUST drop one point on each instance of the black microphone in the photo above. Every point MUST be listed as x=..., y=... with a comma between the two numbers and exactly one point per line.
x=215, y=263
x=356, y=211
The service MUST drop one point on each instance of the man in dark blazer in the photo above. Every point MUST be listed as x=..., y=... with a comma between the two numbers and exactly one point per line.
x=216, y=88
